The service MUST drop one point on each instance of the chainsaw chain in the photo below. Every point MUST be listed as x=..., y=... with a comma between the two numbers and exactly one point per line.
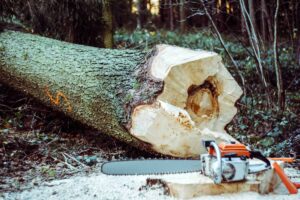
x=152, y=174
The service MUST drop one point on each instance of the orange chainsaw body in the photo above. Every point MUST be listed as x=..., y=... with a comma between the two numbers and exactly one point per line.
x=227, y=148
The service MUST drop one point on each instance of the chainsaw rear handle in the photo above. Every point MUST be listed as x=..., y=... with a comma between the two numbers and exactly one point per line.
x=258, y=155
x=217, y=172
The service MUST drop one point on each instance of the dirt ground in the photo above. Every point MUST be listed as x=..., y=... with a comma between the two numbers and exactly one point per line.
x=38, y=144
x=100, y=186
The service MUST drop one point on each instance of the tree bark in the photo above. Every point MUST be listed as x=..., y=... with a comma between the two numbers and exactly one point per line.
x=263, y=20
x=182, y=16
x=266, y=18
x=279, y=82
x=162, y=12
x=160, y=101
x=298, y=51
x=253, y=39
x=252, y=14
x=243, y=26
x=142, y=13
x=171, y=15
x=139, y=15
x=221, y=16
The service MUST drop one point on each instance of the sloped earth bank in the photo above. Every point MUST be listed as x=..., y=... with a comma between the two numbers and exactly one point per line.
x=99, y=186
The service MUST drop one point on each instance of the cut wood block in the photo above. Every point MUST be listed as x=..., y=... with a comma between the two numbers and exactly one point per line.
x=190, y=185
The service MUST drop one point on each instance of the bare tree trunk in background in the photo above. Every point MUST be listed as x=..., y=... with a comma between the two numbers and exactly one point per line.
x=263, y=20
x=182, y=16
x=32, y=15
x=130, y=2
x=295, y=26
x=162, y=13
x=142, y=13
x=288, y=21
x=267, y=19
x=243, y=26
x=297, y=31
x=253, y=39
x=171, y=15
x=298, y=51
x=139, y=14
x=252, y=15
x=280, y=91
x=108, y=24
x=221, y=10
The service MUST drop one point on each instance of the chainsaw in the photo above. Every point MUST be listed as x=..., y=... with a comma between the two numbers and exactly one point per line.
x=226, y=162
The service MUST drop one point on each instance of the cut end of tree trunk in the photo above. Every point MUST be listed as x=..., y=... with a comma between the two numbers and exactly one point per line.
x=196, y=103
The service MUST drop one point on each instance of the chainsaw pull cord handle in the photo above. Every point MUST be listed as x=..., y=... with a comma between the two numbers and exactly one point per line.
x=258, y=155
x=218, y=175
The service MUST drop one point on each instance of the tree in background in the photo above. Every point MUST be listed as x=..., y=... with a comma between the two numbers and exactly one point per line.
x=83, y=22
x=171, y=14
x=142, y=13
x=265, y=22
x=182, y=16
x=107, y=19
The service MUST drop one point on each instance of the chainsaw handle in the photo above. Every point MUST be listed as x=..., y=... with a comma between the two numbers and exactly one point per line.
x=258, y=155
x=218, y=167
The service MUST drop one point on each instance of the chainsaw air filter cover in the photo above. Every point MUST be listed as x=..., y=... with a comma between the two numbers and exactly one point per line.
x=231, y=150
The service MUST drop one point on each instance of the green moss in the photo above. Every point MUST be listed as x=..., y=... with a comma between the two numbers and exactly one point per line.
x=25, y=56
x=128, y=97
x=2, y=48
x=136, y=85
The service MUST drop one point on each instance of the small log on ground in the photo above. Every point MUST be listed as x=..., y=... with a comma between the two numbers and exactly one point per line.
x=159, y=100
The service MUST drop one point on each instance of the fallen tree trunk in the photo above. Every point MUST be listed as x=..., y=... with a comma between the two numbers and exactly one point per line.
x=160, y=100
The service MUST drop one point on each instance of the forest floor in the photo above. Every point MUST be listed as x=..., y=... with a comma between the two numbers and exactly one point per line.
x=100, y=186
x=38, y=144
x=49, y=171
x=45, y=155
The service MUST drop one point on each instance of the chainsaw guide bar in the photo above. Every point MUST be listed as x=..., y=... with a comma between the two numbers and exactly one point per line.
x=151, y=167
x=226, y=162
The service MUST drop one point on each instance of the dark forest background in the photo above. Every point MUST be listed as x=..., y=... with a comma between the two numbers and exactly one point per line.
x=259, y=41
x=90, y=21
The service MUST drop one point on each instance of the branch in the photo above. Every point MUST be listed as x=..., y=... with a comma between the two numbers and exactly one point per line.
x=279, y=84
x=255, y=47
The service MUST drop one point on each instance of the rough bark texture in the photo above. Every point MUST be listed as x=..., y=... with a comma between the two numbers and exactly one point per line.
x=107, y=19
x=89, y=84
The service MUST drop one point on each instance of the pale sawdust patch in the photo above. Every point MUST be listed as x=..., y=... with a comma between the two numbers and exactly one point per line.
x=100, y=186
